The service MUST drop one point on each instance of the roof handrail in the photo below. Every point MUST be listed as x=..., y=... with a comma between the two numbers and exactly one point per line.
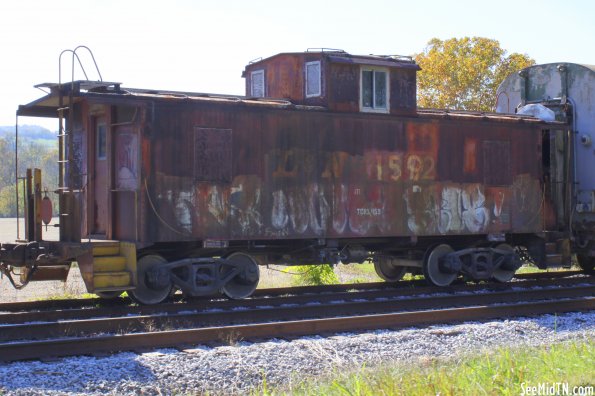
x=75, y=55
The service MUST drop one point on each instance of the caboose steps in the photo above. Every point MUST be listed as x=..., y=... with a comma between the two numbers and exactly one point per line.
x=106, y=249
x=112, y=268
x=109, y=263
x=102, y=280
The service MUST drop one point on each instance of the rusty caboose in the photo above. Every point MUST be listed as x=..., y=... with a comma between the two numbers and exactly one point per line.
x=326, y=159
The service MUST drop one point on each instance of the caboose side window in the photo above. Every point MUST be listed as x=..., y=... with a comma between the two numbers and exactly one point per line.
x=257, y=84
x=313, y=86
x=101, y=134
x=374, y=90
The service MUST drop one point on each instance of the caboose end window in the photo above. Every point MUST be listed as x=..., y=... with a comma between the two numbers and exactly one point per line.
x=257, y=84
x=313, y=86
x=374, y=90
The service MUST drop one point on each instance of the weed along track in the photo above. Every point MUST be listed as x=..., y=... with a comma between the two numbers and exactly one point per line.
x=129, y=328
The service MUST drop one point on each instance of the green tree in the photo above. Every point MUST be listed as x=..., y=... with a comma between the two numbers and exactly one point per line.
x=32, y=154
x=8, y=207
x=464, y=74
x=7, y=163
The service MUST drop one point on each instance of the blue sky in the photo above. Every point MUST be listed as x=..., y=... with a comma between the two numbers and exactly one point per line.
x=203, y=46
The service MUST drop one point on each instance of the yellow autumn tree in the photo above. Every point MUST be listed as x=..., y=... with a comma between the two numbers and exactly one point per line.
x=464, y=74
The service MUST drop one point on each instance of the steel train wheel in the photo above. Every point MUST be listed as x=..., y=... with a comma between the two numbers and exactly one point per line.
x=244, y=283
x=502, y=275
x=387, y=271
x=431, y=266
x=144, y=294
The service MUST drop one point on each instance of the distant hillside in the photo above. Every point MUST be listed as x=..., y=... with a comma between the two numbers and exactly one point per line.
x=34, y=132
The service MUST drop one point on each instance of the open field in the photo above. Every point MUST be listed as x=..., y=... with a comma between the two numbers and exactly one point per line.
x=8, y=229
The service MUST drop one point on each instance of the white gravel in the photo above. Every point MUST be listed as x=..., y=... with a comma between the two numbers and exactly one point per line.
x=238, y=368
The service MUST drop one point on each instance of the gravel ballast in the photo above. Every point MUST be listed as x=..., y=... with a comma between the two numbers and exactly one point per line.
x=238, y=368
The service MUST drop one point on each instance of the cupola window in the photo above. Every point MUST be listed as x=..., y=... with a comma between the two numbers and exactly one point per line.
x=374, y=90
x=257, y=84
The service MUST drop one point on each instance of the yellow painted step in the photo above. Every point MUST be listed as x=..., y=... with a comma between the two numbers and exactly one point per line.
x=111, y=279
x=106, y=250
x=109, y=263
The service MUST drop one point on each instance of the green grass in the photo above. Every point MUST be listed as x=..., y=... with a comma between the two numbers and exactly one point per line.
x=530, y=268
x=66, y=296
x=500, y=372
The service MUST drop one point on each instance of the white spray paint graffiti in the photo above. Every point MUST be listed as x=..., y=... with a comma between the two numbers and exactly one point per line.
x=476, y=216
x=460, y=209
x=450, y=211
x=340, y=208
x=279, y=216
x=298, y=211
x=183, y=209
x=318, y=208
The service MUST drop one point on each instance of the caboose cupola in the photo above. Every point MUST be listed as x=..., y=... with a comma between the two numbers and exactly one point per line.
x=336, y=80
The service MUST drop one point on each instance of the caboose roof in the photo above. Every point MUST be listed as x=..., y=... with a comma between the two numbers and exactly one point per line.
x=107, y=92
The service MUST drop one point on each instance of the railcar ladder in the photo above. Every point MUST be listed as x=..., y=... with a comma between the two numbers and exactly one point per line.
x=65, y=137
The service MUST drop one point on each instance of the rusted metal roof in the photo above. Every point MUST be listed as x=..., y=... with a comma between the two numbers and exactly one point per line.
x=47, y=106
x=476, y=115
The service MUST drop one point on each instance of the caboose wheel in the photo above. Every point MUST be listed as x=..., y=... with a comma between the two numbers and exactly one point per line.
x=148, y=289
x=243, y=284
x=387, y=271
x=431, y=266
x=503, y=275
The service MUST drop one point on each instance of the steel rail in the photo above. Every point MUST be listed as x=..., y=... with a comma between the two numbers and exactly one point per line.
x=188, y=337
x=188, y=319
x=203, y=304
x=90, y=302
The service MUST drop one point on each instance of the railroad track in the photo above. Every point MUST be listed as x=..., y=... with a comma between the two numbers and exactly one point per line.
x=177, y=325
x=42, y=305
x=300, y=295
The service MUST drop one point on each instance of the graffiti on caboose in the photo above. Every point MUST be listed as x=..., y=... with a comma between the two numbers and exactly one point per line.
x=375, y=193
